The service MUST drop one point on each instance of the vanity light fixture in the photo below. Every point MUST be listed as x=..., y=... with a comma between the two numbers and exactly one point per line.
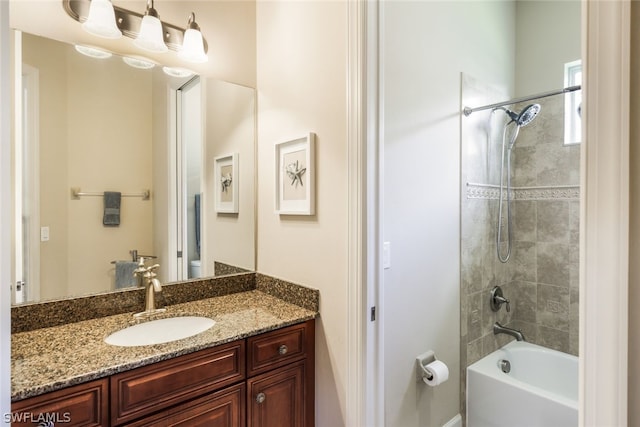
x=151, y=37
x=192, y=45
x=143, y=64
x=134, y=25
x=93, y=52
x=102, y=20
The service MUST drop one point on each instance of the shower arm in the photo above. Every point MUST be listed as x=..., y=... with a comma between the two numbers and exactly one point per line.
x=467, y=111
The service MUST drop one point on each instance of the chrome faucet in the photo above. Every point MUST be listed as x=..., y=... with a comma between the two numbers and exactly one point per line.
x=499, y=329
x=152, y=285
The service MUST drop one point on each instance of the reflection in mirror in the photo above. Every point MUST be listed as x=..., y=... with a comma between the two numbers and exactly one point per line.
x=95, y=136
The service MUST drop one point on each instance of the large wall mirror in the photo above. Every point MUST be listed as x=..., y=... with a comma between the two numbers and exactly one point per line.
x=89, y=128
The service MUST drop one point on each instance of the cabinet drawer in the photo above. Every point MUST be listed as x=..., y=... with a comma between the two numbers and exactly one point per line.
x=81, y=405
x=279, y=347
x=156, y=387
x=224, y=408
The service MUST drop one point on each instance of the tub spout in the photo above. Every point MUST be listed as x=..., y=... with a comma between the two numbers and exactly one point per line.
x=499, y=329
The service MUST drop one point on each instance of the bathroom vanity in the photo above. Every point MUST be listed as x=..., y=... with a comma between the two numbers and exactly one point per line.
x=254, y=367
x=265, y=380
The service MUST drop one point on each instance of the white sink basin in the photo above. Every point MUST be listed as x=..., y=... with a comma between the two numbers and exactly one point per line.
x=160, y=331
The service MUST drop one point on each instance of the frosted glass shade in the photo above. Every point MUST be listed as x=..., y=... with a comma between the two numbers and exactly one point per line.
x=102, y=20
x=151, y=36
x=93, y=52
x=140, y=63
x=193, y=47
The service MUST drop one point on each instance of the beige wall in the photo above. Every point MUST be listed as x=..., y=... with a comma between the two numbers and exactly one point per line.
x=45, y=55
x=634, y=227
x=109, y=149
x=230, y=128
x=161, y=177
x=301, y=62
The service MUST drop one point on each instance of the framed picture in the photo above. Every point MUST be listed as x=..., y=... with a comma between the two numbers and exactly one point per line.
x=226, y=183
x=295, y=176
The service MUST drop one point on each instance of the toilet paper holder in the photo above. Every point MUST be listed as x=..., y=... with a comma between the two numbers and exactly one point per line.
x=423, y=360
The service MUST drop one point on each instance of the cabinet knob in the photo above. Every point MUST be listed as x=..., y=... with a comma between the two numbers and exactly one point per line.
x=260, y=397
x=283, y=349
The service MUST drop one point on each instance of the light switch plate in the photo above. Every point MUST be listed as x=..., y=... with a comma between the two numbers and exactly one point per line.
x=44, y=234
x=386, y=255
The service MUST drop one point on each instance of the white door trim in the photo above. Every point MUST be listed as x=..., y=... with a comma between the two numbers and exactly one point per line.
x=5, y=214
x=604, y=249
x=30, y=136
x=356, y=304
x=365, y=404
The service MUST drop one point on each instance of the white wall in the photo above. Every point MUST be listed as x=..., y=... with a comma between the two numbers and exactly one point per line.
x=301, y=63
x=541, y=25
x=425, y=47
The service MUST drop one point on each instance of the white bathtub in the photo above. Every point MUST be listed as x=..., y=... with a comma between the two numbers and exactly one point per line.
x=540, y=391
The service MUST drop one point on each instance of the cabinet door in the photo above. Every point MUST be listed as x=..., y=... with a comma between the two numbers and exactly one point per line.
x=224, y=408
x=277, y=398
x=81, y=405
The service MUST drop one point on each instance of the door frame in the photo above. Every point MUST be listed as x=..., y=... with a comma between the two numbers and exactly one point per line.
x=29, y=135
x=604, y=230
x=365, y=340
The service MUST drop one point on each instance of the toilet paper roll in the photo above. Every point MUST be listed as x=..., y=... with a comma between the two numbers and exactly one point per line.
x=438, y=372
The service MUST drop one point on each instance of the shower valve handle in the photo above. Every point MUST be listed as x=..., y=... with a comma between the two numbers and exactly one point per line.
x=503, y=300
x=497, y=299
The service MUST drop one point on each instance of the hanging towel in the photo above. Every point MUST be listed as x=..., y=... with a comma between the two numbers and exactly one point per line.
x=111, y=215
x=124, y=274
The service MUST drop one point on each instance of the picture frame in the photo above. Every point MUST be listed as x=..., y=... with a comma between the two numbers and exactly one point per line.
x=226, y=187
x=295, y=176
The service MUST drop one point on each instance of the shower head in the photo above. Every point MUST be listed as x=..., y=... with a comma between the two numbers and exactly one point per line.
x=526, y=116
x=522, y=119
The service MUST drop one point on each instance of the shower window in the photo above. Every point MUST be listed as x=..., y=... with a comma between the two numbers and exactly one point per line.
x=573, y=103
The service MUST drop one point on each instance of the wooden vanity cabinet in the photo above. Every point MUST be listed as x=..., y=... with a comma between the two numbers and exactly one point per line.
x=263, y=381
x=85, y=405
x=280, y=387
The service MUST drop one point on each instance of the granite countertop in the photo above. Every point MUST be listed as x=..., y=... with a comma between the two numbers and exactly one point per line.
x=52, y=358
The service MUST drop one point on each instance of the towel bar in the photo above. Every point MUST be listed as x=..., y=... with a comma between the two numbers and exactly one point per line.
x=76, y=194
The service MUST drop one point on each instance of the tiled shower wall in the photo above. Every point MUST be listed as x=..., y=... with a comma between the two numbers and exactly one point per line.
x=541, y=277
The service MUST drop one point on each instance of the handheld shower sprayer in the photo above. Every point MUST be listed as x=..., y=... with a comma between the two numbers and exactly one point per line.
x=521, y=119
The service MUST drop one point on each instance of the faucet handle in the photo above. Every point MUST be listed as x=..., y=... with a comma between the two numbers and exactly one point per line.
x=497, y=299
x=503, y=300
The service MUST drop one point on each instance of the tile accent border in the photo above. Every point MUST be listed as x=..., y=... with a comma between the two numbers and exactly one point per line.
x=492, y=192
